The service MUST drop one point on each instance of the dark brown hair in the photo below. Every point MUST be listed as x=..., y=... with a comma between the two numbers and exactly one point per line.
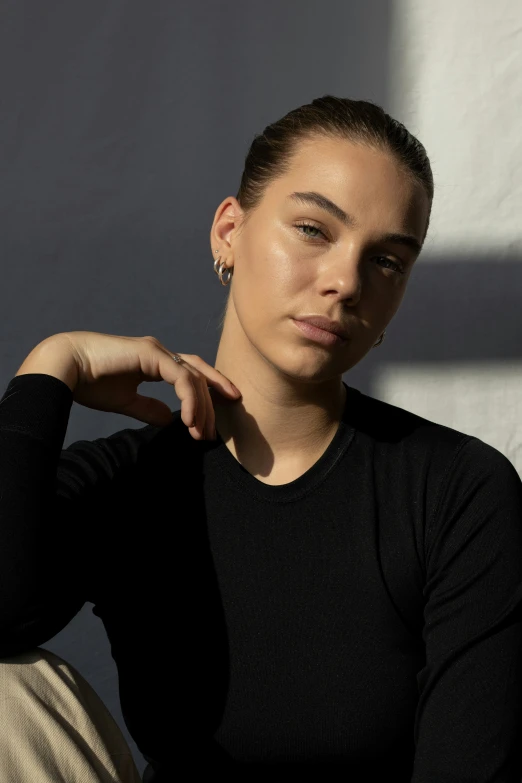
x=270, y=154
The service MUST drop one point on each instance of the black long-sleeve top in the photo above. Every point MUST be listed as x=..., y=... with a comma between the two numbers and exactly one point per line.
x=364, y=620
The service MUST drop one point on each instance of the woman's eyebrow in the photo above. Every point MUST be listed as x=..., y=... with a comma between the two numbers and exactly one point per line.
x=311, y=197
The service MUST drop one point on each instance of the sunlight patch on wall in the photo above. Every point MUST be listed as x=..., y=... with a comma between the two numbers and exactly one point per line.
x=484, y=400
x=456, y=83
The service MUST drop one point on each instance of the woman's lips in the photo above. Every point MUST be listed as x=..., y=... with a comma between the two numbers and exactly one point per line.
x=318, y=335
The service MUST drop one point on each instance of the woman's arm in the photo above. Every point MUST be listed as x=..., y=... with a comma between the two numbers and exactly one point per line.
x=468, y=723
x=52, y=506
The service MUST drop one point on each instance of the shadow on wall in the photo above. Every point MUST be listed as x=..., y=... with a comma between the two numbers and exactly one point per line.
x=458, y=311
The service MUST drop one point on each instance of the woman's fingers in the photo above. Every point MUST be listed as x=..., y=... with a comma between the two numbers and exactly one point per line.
x=185, y=387
x=198, y=431
x=197, y=410
x=213, y=376
x=210, y=428
x=192, y=387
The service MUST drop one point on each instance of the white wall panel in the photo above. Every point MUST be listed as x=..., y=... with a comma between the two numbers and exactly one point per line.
x=484, y=400
x=456, y=82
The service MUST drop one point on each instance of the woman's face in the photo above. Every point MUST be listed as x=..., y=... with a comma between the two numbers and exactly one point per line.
x=293, y=258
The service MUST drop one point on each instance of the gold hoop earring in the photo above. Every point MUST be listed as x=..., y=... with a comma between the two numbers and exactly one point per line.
x=220, y=269
x=380, y=340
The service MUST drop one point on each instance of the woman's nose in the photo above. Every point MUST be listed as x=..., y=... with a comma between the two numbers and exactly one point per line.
x=344, y=277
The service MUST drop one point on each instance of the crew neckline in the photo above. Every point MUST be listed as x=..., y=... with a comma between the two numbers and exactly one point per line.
x=238, y=477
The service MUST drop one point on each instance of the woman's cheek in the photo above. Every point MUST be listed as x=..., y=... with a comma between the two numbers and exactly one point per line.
x=293, y=274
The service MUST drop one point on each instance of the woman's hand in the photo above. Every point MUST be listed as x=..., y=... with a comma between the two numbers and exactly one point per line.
x=105, y=370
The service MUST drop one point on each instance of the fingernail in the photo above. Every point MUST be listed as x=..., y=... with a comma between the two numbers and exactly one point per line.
x=235, y=388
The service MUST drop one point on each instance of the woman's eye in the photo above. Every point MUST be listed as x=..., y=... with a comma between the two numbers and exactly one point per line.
x=394, y=265
x=300, y=226
x=303, y=229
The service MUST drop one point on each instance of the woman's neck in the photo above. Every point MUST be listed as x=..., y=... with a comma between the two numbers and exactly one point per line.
x=279, y=427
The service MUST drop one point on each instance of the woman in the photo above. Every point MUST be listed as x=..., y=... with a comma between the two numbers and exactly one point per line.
x=308, y=582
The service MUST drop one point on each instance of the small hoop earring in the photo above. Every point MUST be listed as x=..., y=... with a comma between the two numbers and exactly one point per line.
x=220, y=269
x=221, y=272
x=380, y=340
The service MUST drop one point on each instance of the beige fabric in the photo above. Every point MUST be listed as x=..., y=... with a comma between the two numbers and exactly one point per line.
x=54, y=728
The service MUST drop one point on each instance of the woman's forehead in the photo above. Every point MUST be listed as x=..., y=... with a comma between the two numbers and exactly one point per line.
x=354, y=186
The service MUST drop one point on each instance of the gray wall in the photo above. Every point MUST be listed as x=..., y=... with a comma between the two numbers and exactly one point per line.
x=123, y=125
